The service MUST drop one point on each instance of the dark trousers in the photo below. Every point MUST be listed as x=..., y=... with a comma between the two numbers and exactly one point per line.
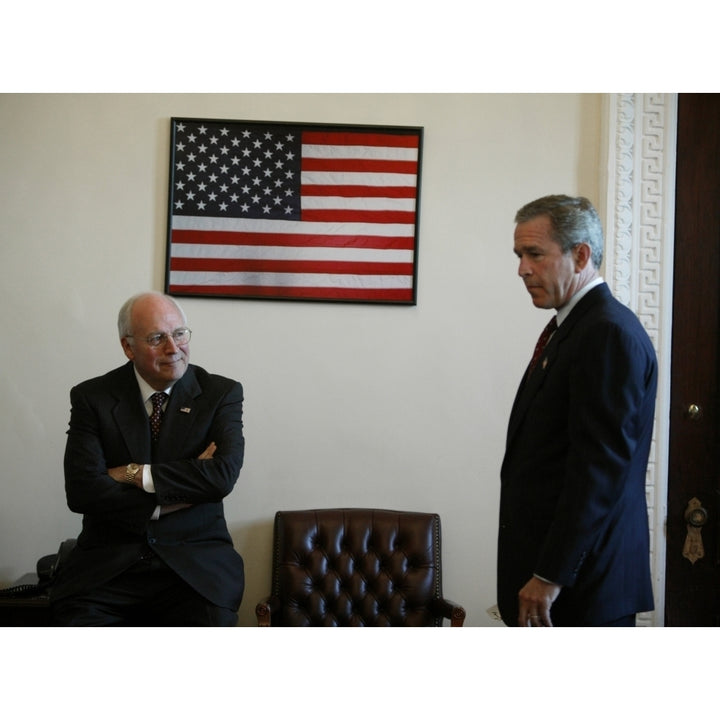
x=149, y=594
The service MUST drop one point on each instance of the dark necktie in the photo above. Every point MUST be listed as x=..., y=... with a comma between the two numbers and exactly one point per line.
x=157, y=400
x=550, y=328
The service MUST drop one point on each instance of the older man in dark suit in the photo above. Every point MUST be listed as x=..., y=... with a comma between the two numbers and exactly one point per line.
x=153, y=447
x=573, y=538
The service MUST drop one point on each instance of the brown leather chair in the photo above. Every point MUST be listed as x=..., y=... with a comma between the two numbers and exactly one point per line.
x=356, y=567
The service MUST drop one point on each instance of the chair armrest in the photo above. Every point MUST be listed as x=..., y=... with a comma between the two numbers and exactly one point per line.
x=264, y=610
x=450, y=610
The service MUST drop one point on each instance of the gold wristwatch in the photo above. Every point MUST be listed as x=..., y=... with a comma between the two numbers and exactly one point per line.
x=130, y=472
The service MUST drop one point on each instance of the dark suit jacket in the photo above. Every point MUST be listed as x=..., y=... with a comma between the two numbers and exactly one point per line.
x=573, y=507
x=109, y=427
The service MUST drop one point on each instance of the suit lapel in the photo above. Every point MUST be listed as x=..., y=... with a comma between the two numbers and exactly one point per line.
x=179, y=414
x=530, y=385
x=130, y=416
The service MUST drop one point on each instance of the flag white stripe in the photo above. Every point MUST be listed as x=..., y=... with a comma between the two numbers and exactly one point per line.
x=317, y=280
x=313, y=202
x=370, y=179
x=291, y=227
x=262, y=252
x=361, y=152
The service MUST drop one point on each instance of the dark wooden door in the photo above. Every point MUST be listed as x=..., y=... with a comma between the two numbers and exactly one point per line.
x=692, y=592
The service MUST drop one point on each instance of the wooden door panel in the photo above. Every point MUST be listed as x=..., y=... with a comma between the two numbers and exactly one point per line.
x=693, y=587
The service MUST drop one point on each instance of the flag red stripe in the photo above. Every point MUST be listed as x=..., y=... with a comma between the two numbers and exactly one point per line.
x=216, y=237
x=351, y=138
x=359, y=191
x=309, y=164
x=298, y=293
x=366, y=216
x=290, y=266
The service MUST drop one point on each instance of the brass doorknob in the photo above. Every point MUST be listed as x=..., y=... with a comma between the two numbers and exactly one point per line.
x=695, y=514
x=695, y=517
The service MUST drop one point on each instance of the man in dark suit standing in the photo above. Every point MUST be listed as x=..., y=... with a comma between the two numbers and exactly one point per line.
x=153, y=447
x=573, y=545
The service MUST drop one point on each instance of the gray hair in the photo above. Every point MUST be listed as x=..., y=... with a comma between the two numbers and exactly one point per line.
x=574, y=220
x=124, y=325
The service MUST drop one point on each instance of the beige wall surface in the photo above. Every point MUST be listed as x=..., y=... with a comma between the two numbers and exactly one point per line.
x=346, y=405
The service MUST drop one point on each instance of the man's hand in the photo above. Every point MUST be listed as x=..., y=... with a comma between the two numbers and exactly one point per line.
x=208, y=452
x=119, y=474
x=535, y=600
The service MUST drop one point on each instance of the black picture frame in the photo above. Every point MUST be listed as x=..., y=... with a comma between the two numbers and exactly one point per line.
x=266, y=210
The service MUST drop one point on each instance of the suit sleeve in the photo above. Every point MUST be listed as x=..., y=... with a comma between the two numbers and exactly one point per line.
x=609, y=378
x=194, y=481
x=88, y=487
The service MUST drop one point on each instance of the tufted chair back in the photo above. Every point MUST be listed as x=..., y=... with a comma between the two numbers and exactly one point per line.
x=356, y=567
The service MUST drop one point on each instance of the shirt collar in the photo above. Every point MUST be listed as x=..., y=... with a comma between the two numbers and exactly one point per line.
x=146, y=391
x=565, y=310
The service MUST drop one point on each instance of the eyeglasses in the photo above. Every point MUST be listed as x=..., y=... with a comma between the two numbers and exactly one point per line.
x=181, y=336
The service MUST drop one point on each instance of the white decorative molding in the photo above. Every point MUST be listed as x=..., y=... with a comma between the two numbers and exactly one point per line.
x=640, y=135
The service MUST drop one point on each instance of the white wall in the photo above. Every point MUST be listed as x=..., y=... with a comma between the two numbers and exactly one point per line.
x=346, y=405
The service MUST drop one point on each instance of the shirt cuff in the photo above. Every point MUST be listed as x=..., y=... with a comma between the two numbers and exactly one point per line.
x=147, y=479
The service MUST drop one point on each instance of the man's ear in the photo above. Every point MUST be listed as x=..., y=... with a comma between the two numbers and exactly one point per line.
x=583, y=256
x=127, y=348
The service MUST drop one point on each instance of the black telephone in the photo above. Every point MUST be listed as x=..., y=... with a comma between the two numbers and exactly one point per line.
x=47, y=567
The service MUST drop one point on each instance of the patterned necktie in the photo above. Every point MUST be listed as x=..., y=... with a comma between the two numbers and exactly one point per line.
x=550, y=328
x=157, y=400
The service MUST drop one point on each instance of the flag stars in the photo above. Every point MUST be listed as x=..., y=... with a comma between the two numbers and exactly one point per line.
x=264, y=164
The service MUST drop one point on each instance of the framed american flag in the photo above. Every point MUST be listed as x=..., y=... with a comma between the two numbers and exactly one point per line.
x=285, y=211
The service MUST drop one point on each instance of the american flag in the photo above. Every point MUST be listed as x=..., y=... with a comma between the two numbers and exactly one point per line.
x=285, y=211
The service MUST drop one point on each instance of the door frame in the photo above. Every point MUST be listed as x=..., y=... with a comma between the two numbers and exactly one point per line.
x=638, y=152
